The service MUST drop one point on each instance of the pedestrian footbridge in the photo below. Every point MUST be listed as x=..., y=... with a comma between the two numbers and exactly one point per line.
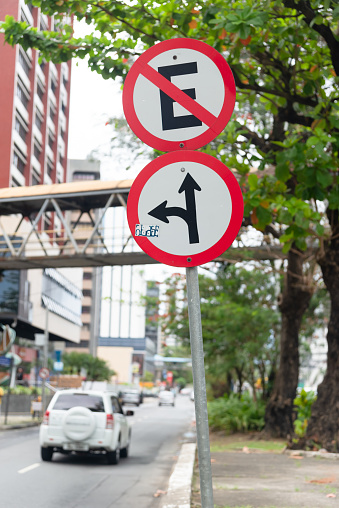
x=76, y=225
x=66, y=225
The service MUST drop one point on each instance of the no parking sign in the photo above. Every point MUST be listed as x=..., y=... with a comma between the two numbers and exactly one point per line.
x=179, y=94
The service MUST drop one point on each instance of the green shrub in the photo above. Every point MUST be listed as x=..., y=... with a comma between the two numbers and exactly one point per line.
x=303, y=402
x=234, y=414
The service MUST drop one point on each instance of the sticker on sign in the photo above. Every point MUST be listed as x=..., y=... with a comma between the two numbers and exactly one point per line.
x=179, y=94
x=193, y=201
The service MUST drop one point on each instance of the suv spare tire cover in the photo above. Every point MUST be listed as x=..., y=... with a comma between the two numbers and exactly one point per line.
x=79, y=423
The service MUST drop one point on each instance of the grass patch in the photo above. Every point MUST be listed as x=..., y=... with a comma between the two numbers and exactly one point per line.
x=268, y=446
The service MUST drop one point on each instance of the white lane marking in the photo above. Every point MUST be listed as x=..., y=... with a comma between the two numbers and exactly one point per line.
x=29, y=468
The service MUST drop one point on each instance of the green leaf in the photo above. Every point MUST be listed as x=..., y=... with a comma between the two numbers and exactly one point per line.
x=282, y=171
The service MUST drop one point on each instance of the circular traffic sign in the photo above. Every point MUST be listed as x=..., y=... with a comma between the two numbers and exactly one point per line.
x=44, y=373
x=185, y=208
x=179, y=94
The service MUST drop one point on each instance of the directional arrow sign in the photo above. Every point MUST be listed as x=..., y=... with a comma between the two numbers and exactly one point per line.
x=188, y=214
x=185, y=208
x=179, y=94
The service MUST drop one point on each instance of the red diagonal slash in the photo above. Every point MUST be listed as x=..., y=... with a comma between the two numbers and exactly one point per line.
x=178, y=95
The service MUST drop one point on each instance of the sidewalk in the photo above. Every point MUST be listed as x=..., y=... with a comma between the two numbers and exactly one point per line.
x=15, y=421
x=246, y=477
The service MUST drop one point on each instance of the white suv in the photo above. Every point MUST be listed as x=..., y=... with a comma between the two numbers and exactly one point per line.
x=85, y=421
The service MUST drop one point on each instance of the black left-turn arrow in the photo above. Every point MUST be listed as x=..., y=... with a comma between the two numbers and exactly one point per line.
x=188, y=214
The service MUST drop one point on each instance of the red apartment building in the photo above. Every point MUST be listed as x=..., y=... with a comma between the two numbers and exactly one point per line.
x=34, y=117
x=34, y=108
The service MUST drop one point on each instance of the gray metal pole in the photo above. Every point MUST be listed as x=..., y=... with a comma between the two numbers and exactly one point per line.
x=200, y=399
x=45, y=364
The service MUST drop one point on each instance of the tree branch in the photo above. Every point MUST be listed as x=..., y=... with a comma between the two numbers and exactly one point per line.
x=304, y=7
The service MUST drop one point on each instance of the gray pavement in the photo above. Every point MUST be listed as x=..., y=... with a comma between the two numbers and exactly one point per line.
x=254, y=479
x=245, y=478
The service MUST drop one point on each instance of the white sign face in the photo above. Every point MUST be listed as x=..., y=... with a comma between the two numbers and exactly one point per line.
x=213, y=207
x=185, y=208
x=179, y=94
x=191, y=70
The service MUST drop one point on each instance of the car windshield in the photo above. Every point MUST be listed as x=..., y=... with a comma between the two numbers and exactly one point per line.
x=66, y=401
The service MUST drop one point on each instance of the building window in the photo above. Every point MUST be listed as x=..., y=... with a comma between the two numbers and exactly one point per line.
x=23, y=59
x=49, y=169
x=38, y=121
x=87, y=292
x=40, y=91
x=43, y=25
x=20, y=129
x=19, y=162
x=53, y=85
x=52, y=113
x=87, y=276
x=50, y=140
x=23, y=96
x=23, y=17
x=86, y=309
x=15, y=183
x=37, y=152
x=47, y=224
x=35, y=179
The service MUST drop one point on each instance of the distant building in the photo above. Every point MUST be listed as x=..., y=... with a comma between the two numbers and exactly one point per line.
x=34, y=106
x=79, y=170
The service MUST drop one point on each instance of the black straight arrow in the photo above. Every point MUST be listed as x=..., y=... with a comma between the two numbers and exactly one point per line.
x=188, y=214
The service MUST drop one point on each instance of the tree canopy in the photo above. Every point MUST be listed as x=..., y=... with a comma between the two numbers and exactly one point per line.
x=284, y=137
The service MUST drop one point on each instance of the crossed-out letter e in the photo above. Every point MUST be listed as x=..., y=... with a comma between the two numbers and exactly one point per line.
x=169, y=121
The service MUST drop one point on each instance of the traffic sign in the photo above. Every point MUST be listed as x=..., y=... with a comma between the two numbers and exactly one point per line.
x=179, y=94
x=185, y=208
x=44, y=373
x=4, y=361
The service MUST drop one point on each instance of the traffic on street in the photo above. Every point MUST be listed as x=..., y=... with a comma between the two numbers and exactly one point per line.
x=82, y=480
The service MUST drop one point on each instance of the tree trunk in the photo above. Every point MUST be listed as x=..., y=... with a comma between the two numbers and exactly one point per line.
x=294, y=301
x=323, y=427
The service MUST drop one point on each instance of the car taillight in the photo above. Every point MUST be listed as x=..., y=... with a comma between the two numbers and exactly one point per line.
x=45, y=420
x=109, y=421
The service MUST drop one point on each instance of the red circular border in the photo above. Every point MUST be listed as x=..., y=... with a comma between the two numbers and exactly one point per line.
x=207, y=136
x=234, y=225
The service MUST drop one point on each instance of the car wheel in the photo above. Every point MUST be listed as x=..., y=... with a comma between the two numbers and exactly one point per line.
x=46, y=454
x=159, y=403
x=173, y=404
x=114, y=457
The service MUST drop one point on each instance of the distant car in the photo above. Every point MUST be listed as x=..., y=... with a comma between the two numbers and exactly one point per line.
x=185, y=391
x=85, y=422
x=131, y=397
x=166, y=397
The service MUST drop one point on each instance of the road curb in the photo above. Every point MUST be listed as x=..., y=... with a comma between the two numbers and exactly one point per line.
x=179, y=486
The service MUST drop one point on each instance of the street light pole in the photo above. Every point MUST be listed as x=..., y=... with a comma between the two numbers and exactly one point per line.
x=45, y=363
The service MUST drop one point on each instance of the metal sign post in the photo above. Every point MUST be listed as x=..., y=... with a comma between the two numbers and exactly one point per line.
x=199, y=384
x=185, y=208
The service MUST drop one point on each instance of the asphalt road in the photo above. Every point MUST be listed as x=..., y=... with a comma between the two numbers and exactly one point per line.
x=88, y=482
